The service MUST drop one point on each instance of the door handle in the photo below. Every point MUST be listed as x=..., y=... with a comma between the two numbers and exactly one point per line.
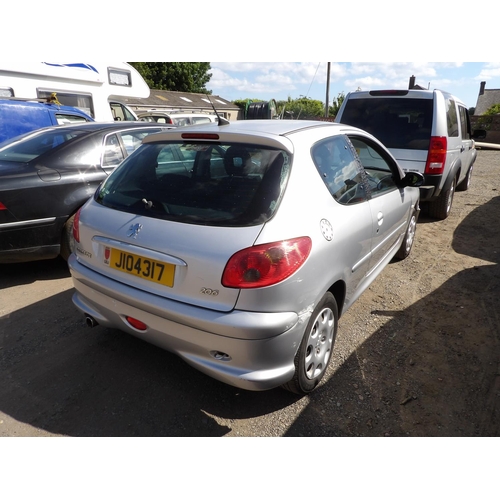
x=380, y=218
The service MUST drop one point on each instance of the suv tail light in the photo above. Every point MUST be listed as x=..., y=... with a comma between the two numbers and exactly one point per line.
x=76, y=226
x=436, y=157
x=264, y=265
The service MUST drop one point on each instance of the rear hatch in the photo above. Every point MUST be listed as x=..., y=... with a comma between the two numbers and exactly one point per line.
x=170, y=217
x=401, y=120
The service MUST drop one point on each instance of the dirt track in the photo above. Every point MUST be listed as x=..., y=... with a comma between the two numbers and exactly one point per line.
x=417, y=355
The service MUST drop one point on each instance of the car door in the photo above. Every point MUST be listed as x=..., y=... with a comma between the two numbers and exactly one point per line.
x=343, y=175
x=43, y=180
x=389, y=204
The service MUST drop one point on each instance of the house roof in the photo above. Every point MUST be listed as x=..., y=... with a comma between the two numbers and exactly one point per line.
x=167, y=99
x=486, y=99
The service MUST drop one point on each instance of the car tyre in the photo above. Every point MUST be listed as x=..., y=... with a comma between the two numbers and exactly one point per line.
x=67, y=241
x=465, y=184
x=409, y=238
x=441, y=208
x=315, y=351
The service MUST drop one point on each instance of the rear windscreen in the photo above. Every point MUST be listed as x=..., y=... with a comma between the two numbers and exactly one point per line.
x=399, y=123
x=224, y=184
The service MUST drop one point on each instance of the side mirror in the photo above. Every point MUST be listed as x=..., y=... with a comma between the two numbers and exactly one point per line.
x=412, y=179
x=478, y=134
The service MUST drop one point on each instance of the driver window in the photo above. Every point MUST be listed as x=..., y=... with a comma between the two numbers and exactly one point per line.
x=377, y=169
x=340, y=170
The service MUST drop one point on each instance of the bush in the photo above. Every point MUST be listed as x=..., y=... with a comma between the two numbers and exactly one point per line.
x=493, y=110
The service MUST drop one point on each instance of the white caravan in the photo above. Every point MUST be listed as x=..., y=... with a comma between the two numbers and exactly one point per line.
x=98, y=89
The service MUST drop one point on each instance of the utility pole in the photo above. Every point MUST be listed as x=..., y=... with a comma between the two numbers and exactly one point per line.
x=327, y=89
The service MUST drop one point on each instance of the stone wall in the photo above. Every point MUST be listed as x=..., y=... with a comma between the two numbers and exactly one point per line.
x=490, y=123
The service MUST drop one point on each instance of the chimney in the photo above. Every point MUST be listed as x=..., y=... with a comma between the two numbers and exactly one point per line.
x=411, y=84
x=481, y=88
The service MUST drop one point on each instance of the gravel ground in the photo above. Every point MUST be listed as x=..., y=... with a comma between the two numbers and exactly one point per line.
x=417, y=355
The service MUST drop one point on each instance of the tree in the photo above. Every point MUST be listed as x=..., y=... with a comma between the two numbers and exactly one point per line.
x=177, y=76
x=493, y=110
x=336, y=103
x=302, y=108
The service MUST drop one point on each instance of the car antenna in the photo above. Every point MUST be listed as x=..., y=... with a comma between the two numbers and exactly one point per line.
x=220, y=119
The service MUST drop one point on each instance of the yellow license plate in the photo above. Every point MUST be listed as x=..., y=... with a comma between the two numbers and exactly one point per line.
x=148, y=269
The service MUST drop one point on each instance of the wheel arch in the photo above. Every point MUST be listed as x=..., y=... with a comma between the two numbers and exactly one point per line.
x=338, y=290
x=454, y=174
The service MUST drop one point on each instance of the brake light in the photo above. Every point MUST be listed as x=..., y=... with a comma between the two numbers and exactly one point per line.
x=76, y=226
x=436, y=157
x=265, y=265
x=2, y=206
x=388, y=92
x=197, y=135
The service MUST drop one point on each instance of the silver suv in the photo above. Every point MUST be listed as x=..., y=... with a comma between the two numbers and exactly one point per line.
x=427, y=131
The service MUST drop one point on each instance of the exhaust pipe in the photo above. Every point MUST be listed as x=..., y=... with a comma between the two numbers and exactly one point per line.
x=90, y=321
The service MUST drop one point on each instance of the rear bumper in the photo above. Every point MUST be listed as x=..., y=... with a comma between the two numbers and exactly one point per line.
x=431, y=188
x=253, y=351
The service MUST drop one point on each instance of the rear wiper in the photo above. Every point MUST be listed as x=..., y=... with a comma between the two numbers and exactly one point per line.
x=148, y=204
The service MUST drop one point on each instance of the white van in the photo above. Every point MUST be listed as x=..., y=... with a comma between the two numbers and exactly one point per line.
x=427, y=131
x=179, y=119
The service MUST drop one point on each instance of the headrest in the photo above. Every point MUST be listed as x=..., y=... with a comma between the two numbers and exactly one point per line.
x=236, y=160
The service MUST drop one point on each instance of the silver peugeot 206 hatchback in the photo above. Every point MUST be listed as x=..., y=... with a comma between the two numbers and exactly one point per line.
x=238, y=246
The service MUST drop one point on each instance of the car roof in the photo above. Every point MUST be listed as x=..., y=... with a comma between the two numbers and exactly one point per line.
x=98, y=126
x=249, y=127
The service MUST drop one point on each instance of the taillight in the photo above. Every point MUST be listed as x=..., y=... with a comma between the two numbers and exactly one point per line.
x=267, y=264
x=436, y=157
x=2, y=206
x=76, y=226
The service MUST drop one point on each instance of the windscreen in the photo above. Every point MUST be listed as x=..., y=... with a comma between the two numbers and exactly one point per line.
x=223, y=184
x=399, y=123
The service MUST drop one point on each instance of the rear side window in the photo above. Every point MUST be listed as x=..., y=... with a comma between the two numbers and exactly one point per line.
x=399, y=123
x=464, y=122
x=223, y=184
x=451, y=118
x=113, y=153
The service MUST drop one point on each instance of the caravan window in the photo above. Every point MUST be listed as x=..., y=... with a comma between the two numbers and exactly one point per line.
x=6, y=92
x=119, y=77
x=80, y=101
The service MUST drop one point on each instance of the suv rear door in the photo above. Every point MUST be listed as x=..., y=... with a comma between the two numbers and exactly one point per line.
x=401, y=120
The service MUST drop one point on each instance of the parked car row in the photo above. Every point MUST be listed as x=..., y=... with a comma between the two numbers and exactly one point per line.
x=237, y=246
x=179, y=119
